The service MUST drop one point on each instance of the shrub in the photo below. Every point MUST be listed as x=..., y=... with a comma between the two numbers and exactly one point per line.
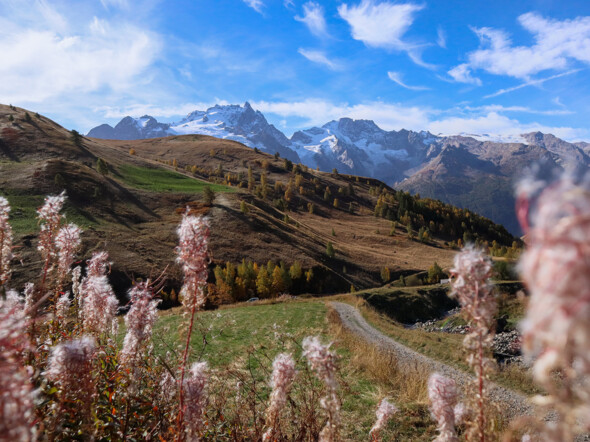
x=76, y=138
x=59, y=181
x=102, y=167
x=330, y=252
x=413, y=280
x=435, y=273
x=208, y=195
x=504, y=271
x=244, y=208
x=385, y=274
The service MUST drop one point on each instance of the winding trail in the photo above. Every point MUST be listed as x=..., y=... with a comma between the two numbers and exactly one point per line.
x=512, y=404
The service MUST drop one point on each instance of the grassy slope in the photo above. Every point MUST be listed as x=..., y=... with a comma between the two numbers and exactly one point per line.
x=23, y=217
x=247, y=337
x=161, y=180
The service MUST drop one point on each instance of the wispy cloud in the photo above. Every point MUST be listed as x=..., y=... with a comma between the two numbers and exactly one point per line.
x=557, y=44
x=558, y=102
x=515, y=109
x=383, y=25
x=441, y=37
x=532, y=83
x=462, y=74
x=320, y=58
x=121, y=4
x=154, y=110
x=397, y=78
x=257, y=5
x=313, y=17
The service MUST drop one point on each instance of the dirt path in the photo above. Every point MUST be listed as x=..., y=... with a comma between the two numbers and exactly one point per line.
x=512, y=403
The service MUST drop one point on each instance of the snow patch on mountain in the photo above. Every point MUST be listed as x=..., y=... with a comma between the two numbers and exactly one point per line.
x=497, y=138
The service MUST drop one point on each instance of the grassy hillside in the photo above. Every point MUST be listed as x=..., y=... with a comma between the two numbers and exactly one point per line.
x=265, y=208
x=240, y=352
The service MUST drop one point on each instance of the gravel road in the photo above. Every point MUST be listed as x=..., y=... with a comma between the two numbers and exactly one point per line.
x=512, y=404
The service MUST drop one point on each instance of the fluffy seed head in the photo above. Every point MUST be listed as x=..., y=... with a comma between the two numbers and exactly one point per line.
x=63, y=305
x=70, y=367
x=67, y=242
x=99, y=304
x=193, y=234
x=283, y=373
x=5, y=242
x=140, y=321
x=16, y=390
x=29, y=296
x=556, y=270
x=384, y=412
x=472, y=286
x=49, y=218
x=323, y=362
x=442, y=393
x=195, y=392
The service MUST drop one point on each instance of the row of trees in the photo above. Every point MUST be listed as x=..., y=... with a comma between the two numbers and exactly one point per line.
x=437, y=217
x=249, y=279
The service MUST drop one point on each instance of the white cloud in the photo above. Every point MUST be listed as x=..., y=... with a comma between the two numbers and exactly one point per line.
x=397, y=78
x=313, y=17
x=558, y=102
x=317, y=112
x=257, y=5
x=121, y=4
x=518, y=109
x=54, y=58
x=394, y=116
x=462, y=74
x=556, y=45
x=137, y=110
x=495, y=124
x=381, y=25
x=441, y=37
x=320, y=58
x=531, y=83
x=52, y=18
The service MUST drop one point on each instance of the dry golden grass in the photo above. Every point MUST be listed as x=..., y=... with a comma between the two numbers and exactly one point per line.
x=381, y=366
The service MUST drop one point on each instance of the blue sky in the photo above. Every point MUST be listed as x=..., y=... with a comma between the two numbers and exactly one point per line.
x=499, y=67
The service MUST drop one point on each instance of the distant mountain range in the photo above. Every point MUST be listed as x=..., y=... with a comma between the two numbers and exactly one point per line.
x=473, y=171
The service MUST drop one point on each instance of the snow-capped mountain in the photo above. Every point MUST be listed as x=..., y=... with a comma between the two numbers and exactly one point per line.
x=476, y=171
x=362, y=148
x=233, y=122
